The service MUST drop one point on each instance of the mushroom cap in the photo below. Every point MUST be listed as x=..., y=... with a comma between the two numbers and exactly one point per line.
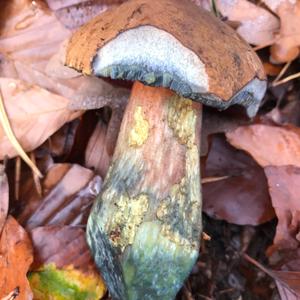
x=172, y=44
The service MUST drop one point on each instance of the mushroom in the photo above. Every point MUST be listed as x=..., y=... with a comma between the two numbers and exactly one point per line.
x=144, y=229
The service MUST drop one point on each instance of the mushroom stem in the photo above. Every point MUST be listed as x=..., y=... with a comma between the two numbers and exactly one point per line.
x=144, y=228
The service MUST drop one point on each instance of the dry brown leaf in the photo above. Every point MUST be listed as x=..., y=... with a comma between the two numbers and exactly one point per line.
x=63, y=252
x=286, y=47
x=96, y=155
x=58, y=4
x=61, y=245
x=214, y=121
x=34, y=114
x=62, y=141
x=284, y=187
x=243, y=197
x=25, y=34
x=3, y=197
x=77, y=13
x=271, y=69
x=101, y=145
x=256, y=24
x=39, y=57
x=288, y=282
x=15, y=260
x=268, y=145
x=69, y=192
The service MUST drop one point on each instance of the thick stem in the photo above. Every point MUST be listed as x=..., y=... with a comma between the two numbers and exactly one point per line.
x=145, y=227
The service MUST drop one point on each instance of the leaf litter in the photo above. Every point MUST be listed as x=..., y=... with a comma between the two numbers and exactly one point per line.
x=257, y=175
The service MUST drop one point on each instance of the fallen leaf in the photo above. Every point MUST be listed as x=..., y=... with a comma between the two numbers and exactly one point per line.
x=25, y=34
x=288, y=282
x=271, y=69
x=58, y=4
x=67, y=284
x=256, y=25
x=62, y=262
x=268, y=145
x=284, y=187
x=3, y=197
x=96, y=155
x=101, y=145
x=214, y=121
x=39, y=59
x=77, y=13
x=12, y=295
x=69, y=192
x=62, y=141
x=62, y=246
x=33, y=120
x=286, y=47
x=15, y=260
x=243, y=197
x=83, y=92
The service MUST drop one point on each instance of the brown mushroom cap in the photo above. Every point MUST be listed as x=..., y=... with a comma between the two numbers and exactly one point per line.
x=174, y=44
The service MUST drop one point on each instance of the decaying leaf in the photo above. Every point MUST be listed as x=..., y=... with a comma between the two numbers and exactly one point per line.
x=76, y=13
x=39, y=57
x=62, y=246
x=284, y=187
x=69, y=192
x=288, y=282
x=101, y=145
x=96, y=153
x=218, y=122
x=3, y=197
x=242, y=198
x=63, y=262
x=50, y=283
x=268, y=145
x=15, y=260
x=256, y=25
x=286, y=47
x=25, y=34
x=34, y=114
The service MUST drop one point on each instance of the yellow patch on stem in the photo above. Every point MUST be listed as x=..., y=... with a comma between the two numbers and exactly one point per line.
x=139, y=133
x=128, y=217
x=180, y=211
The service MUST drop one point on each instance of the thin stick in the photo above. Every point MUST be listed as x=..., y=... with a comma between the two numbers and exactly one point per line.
x=36, y=179
x=282, y=72
x=286, y=79
x=213, y=179
x=17, y=177
x=11, y=137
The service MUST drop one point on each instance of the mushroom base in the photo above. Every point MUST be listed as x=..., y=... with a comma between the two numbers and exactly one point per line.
x=144, y=228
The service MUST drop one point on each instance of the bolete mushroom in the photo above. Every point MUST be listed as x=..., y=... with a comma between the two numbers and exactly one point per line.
x=144, y=229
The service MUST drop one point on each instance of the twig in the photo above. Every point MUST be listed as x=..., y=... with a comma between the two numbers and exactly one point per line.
x=10, y=135
x=18, y=167
x=282, y=72
x=36, y=179
x=205, y=236
x=286, y=79
x=213, y=179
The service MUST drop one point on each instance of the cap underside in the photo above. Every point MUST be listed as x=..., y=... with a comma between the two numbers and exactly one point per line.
x=156, y=58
